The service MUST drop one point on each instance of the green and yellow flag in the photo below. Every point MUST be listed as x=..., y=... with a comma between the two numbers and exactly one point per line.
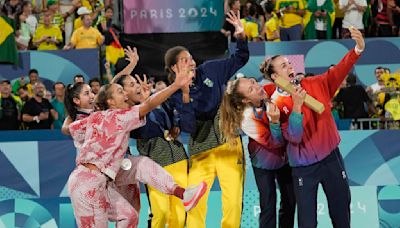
x=8, y=46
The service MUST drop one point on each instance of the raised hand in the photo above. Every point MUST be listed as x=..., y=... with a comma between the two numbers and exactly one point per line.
x=234, y=19
x=356, y=35
x=273, y=112
x=184, y=73
x=184, y=64
x=298, y=99
x=107, y=66
x=131, y=55
x=145, y=87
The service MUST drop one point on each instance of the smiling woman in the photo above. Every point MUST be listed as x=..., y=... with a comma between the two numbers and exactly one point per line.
x=315, y=158
x=246, y=105
x=103, y=176
x=112, y=96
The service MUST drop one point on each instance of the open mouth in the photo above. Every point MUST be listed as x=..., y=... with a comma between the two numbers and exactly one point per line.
x=291, y=75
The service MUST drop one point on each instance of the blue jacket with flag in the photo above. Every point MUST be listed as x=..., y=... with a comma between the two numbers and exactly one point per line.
x=207, y=90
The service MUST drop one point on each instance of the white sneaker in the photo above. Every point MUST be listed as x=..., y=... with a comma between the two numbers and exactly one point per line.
x=192, y=195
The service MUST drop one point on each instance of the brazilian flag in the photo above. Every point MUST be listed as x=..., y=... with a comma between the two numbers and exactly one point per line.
x=8, y=46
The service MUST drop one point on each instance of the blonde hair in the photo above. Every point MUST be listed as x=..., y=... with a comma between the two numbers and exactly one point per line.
x=232, y=108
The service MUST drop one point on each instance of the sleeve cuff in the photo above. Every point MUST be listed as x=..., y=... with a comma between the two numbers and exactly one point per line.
x=275, y=128
x=296, y=118
x=275, y=125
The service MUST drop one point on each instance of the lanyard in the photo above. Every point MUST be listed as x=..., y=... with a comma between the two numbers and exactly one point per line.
x=260, y=116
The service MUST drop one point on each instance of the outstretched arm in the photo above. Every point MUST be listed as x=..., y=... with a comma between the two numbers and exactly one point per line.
x=184, y=76
x=133, y=58
x=335, y=76
x=225, y=68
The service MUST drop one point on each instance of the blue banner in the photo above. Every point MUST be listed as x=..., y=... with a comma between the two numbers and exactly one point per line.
x=54, y=65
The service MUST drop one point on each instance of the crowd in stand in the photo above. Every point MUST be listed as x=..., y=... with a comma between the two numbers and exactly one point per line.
x=42, y=25
x=285, y=20
x=378, y=101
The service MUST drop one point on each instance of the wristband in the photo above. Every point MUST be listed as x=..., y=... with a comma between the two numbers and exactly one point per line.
x=358, y=51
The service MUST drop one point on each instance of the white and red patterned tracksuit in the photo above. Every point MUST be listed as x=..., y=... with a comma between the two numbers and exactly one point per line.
x=112, y=194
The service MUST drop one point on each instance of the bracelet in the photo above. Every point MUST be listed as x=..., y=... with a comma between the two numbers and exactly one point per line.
x=358, y=51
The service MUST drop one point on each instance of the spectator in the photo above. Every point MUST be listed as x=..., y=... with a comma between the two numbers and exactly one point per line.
x=384, y=19
x=92, y=8
x=11, y=8
x=388, y=100
x=23, y=34
x=106, y=20
x=353, y=16
x=250, y=24
x=95, y=6
x=291, y=13
x=22, y=92
x=160, y=85
x=58, y=103
x=321, y=19
x=337, y=25
x=30, y=19
x=228, y=29
x=379, y=85
x=47, y=36
x=38, y=113
x=271, y=27
x=56, y=17
x=394, y=5
x=86, y=36
x=33, y=78
x=354, y=98
x=78, y=21
x=9, y=107
x=95, y=84
x=79, y=78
